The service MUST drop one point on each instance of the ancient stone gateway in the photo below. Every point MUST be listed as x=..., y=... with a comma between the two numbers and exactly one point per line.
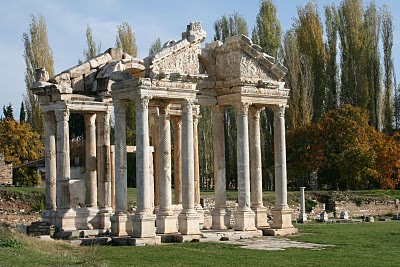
x=168, y=87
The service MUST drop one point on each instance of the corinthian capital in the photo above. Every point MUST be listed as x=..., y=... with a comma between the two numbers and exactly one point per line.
x=243, y=108
x=142, y=102
x=187, y=105
x=62, y=114
x=279, y=110
x=120, y=107
x=255, y=113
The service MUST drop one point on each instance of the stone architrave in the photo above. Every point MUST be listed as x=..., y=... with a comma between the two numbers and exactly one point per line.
x=65, y=217
x=188, y=219
x=177, y=124
x=51, y=169
x=197, y=206
x=143, y=221
x=244, y=216
x=281, y=212
x=166, y=220
x=104, y=167
x=256, y=170
x=121, y=224
x=219, y=213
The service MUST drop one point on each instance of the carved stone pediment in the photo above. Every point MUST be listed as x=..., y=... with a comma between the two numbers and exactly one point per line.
x=239, y=59
x=180, y=57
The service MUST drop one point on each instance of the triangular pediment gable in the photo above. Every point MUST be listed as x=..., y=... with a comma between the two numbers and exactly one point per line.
x=239, y=58
x=178, y=56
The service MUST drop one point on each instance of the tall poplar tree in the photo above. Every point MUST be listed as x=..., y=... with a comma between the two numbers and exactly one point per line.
x=332, y=69
x=371, y=63
x=387, y=40
x=267, y=32
x=354, y=90
x=155, y=47
x=126, y=39
x=93, y=49
x=309, y=31
x=37, y=54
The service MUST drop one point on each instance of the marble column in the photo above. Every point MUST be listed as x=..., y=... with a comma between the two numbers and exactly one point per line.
x=188, y=218
x=143, y=220
x=91, y=162
x=244, y=216
x=91, y=213
x=303, y=215
x=155, y=138
x=281, y=212
x=104, y=167
x=177, y=123
x=65, y=217
x=50, y=163
x=121, y=224
x=166, y=220
x=256, y=196
x=197, y=206
x=219, y=213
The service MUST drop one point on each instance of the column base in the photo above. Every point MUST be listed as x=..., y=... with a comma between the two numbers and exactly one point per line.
x=282, y=218
x=302, y=218
x=189, y=223
x=261, y=218
x=143, y=225
x=200, y=212
x=245, y=220
x=93, y=220
x=48, y=216
x=219, y=219
x=64, y=220
x=104, y=218
x=121, y=224
x=166, y=223
x=81, y=219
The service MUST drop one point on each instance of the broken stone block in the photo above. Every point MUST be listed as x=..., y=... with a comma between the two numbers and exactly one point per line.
x=116, y=53
x=78, y=84
x=79, y=70
x=126, y=56
x=103, y=59
x=119, y=76
x=41, y=75
x=62, y=78
x=89, y=80
x=110, y=68
x=344, y=215
x=93, y=63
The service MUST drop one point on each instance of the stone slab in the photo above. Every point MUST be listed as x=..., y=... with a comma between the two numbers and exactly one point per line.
x=280, y=232
x=95, y=241
x=132, y=241
x=80, y=233
x=224, y=235
x=179, y=238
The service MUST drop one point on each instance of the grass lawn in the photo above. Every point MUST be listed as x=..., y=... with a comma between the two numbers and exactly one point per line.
x=355, y=244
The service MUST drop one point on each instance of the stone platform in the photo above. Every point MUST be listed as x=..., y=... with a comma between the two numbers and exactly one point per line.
x=205, y=236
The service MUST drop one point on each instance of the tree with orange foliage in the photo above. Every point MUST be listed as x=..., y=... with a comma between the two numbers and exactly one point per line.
x=345, y=150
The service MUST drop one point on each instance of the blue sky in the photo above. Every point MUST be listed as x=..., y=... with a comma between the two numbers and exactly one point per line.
x=67, y=21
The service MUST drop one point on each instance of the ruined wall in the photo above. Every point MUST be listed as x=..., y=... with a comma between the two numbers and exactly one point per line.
x=5, y=171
